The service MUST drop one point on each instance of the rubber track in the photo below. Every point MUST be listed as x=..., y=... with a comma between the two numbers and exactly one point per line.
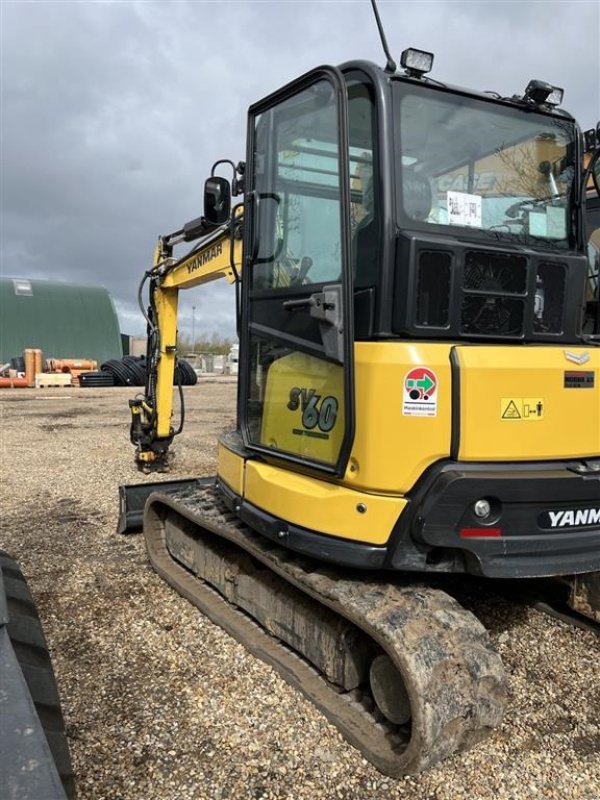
x=455, y=679
x=29, y=643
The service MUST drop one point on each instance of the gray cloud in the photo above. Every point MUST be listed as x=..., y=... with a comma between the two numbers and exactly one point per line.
x=113, y=112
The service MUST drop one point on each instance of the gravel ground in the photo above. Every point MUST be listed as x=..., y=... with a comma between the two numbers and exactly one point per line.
x=162, y=705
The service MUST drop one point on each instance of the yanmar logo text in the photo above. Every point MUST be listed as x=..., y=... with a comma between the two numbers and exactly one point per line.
x=203, y=258
x=573, y=518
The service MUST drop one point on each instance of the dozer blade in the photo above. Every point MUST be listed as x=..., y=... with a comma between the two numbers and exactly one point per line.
x=406, y=674
x=133, y=496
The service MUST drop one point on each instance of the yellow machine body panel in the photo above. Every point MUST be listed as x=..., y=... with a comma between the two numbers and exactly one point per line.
x=512, y=404
x=230, y=468
x=321, y=506
x=529, y=403
x=397, y=437
x=304, y=412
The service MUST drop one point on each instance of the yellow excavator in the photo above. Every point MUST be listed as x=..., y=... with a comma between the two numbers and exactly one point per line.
x=418, y=393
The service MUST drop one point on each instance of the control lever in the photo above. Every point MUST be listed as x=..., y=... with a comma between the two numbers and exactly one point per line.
x=305, y=266
x=327, y=310
x=315, y=301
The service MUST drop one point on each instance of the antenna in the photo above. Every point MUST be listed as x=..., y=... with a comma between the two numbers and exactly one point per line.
x=391, y=64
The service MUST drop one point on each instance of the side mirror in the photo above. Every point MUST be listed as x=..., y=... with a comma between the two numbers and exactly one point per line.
x=217, y=200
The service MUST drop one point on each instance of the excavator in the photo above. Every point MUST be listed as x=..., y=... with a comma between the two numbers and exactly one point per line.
x=418, y=394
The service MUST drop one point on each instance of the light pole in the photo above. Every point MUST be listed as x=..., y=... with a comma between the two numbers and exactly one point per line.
x=193, y=329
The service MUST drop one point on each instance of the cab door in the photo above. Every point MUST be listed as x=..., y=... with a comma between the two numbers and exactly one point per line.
x=296, y=383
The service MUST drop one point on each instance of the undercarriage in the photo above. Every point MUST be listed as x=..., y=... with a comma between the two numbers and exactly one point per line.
x=407, y=675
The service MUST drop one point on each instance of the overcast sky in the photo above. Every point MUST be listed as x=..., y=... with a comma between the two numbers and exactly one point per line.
x=113, y=112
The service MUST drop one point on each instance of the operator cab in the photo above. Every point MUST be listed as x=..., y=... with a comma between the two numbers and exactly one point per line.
x=392, y=207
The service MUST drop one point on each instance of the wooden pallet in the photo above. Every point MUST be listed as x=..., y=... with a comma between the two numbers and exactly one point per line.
x=47, y=379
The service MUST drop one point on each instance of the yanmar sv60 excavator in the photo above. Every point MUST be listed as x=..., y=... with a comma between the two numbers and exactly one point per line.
x=418, y=395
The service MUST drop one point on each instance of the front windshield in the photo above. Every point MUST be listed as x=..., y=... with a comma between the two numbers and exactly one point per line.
x=468, y=163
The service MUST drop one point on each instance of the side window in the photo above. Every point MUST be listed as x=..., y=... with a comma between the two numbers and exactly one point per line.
x=297, y=183
x=298, y=190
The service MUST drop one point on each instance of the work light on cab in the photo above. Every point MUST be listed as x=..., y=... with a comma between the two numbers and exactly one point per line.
x=416, y=62
x=541, y=93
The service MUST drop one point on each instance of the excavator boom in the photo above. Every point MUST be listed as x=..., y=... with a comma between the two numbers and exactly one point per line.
x=217, y=256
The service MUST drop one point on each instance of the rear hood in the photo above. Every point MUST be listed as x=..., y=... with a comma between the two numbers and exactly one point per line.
x=524, y=404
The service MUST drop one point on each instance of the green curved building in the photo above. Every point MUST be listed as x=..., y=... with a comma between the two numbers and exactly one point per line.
x=62, y=319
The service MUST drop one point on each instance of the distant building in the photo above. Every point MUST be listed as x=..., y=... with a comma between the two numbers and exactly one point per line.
x=134, y=345
x=62, y=319
x=232, y=364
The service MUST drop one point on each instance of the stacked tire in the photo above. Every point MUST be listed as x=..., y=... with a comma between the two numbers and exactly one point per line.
x=185, y=374
x=128, y=371
x=131, y=371
x=95, y=380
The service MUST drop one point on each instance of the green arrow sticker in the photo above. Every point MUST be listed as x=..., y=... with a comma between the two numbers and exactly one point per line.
x=420, y=393
x=426, y=383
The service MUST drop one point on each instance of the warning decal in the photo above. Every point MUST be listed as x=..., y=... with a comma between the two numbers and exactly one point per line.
x=522, y=408
x=511, y=411
x=420, y=393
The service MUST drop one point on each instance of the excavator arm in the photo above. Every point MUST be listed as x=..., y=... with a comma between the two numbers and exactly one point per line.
x=218, y=254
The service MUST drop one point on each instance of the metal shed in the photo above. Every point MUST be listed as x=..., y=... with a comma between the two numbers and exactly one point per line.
x=63, y=319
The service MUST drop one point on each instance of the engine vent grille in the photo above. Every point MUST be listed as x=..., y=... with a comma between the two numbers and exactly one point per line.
x=447, y=289
x=495, y=272
x=494, y=291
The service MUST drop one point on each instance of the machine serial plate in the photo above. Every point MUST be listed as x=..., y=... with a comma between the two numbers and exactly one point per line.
x=579, y=380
